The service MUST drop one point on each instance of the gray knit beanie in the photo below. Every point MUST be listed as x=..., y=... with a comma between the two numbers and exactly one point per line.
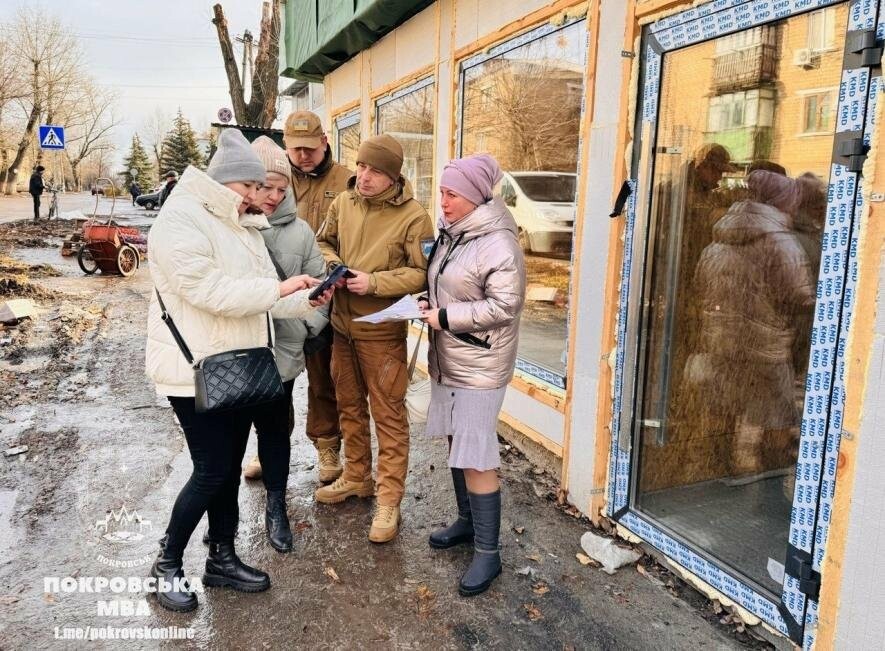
x=234, y=161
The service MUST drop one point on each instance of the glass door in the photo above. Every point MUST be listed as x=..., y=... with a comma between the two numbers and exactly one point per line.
x=735, y=302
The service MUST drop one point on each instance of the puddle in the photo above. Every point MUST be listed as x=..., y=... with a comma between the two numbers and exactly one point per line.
x=51, y=256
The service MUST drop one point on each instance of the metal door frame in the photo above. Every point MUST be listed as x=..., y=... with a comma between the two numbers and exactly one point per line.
x=795, y=615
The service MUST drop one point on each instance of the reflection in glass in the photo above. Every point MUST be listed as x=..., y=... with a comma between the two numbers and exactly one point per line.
x=737, y=212
x=348, y=145
x=409, y=119
x=524, y=107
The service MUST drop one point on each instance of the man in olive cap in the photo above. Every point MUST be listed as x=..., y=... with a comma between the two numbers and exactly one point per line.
x=376, y=228
x=316, y=180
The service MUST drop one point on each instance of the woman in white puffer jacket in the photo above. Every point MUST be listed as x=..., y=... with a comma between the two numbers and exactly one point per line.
x=211, y=268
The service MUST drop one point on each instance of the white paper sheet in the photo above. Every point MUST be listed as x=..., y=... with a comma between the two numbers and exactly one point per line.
x=404, y=309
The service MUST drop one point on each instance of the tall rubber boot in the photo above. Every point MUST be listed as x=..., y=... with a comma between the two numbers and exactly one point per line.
x=486, y=565
x=461, y=530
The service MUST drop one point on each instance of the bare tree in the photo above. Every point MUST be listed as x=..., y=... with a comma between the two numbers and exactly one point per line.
x=526, y=112
x=262, y=107
x=89, y=121
x=155, y=129
x=13, y=88
x=51, y=56
x=13, y=85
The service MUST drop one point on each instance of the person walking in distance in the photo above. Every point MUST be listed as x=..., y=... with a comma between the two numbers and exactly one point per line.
x=376, y=228
x=476, y=277
x=171, y=180
x=35, y=188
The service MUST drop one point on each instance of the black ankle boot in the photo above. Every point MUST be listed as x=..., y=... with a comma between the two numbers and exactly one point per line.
x=461, y=530
x=225, y=569
x=277, y=521
x=166, y=569
x=486, y=564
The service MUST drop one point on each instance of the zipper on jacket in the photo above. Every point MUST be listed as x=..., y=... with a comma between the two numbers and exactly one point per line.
x=452, y=246
x=439, y=239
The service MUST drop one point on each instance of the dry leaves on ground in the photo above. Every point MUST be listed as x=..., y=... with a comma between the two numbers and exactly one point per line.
x=331, y=573
x=518, y=530
x=426, y=599
x=535, y=557
x=540, y=588
x=532, y=612
x=583, y=559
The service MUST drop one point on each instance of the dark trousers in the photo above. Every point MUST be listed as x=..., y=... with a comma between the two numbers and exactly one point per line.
x=273, y=427
x=36, y=206
x=322, y=406
x=217, y=443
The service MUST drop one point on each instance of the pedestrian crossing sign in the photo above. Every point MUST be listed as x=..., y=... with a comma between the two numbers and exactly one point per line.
x=51, y=136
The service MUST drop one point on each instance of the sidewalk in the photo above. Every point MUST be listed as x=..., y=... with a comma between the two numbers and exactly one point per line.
x=21, y=206
x=101, y=443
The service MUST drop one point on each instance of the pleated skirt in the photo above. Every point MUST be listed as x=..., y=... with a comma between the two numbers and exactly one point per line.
x=470, y=417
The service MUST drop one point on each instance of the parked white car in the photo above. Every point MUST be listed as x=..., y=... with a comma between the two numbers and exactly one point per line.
x=543, y=205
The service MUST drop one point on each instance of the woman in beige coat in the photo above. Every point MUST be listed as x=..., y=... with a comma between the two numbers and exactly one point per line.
x=476, y=279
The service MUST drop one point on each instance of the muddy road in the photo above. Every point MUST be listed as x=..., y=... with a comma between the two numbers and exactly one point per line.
x=81, y=511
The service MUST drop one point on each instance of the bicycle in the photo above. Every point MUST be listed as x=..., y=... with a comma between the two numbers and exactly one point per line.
x=53, y=203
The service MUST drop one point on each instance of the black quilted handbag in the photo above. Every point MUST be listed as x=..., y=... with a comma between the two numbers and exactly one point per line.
x=234, y=379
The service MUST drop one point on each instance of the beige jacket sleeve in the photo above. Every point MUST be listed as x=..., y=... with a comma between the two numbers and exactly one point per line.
x=412, y=277
x=327, y=236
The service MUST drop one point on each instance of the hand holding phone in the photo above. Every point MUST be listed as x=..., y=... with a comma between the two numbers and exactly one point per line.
x=338, y=273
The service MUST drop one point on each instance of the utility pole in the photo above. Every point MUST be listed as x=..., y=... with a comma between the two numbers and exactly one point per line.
x=246, y=40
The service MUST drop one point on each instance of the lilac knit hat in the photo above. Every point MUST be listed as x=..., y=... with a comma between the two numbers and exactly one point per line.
x=473, y=177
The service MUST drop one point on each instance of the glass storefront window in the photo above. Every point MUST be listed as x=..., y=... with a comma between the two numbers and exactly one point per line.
x=523, y=105
x=408, y=117
x=347, y=138
x=734, y=244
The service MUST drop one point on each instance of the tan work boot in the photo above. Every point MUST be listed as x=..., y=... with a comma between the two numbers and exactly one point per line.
x=253, y=469
x=341, y=489
x=330, y=463
x=385, y=524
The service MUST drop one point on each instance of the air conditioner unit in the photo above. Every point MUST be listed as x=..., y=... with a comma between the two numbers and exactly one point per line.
x=804, y=58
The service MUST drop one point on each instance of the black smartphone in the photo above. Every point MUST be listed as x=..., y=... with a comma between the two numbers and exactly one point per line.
x=341, y=271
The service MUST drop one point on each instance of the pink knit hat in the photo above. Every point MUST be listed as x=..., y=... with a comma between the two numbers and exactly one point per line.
x=473, y=177
x=776, y=190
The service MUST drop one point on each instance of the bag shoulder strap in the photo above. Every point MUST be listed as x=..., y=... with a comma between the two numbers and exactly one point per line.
x=176, y=335
x=282, y=274
x=414, y=360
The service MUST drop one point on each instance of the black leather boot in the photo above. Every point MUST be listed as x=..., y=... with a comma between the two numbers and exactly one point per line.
x=277, y=521
x=166, y=569
x=486, y=564
x=461, y=530
x=206, y=535
x=225, y=569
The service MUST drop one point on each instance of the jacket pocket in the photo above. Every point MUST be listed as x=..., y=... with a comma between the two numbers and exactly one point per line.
x=396, y=256
x=392, y=378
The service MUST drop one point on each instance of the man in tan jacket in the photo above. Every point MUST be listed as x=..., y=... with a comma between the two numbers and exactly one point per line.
x=376, y=228
x=316, y=180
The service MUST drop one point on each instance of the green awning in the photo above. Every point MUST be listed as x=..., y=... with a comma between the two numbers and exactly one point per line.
x=320, y=36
